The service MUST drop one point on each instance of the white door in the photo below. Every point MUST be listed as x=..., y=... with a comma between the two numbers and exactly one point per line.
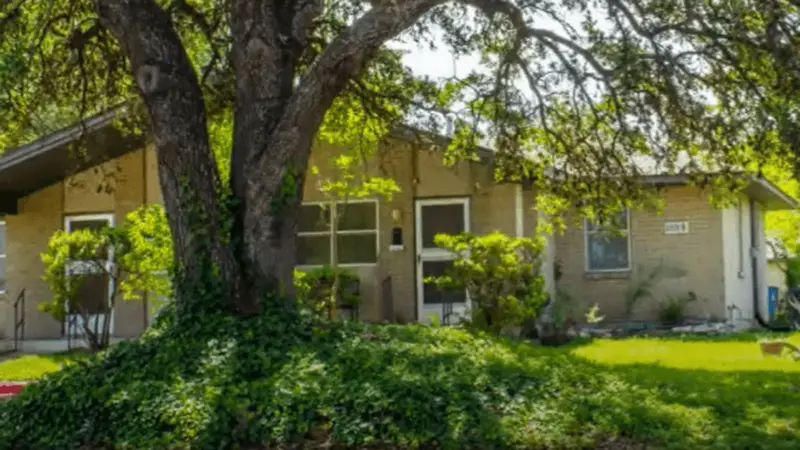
x=94, y=295
x=435, y=216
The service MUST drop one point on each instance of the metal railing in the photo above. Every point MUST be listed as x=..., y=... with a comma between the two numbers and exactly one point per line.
x=19, y=320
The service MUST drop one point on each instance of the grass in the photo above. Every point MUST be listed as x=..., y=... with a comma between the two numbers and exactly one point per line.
x=738, y=352
x=724, y=392
x=413, y=385
x=32, y=367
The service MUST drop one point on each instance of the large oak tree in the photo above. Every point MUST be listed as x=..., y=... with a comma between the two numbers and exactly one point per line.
x=591, y=90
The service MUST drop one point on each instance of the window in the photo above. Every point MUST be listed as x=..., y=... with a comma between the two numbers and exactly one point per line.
x=608, y=250
x=2, y=256
x=356, y=236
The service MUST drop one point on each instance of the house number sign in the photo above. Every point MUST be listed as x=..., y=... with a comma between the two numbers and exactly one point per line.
x=676, y=227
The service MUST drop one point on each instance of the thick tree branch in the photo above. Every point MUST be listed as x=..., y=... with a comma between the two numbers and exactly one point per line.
x=287, y=150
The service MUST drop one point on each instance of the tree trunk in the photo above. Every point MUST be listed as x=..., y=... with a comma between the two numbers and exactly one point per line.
x=188, y=173
x=278, y=170
x=274, y=127
x=264, y=69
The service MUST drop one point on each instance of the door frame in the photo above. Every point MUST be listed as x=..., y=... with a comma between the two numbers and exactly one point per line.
x=109, y=218
x=434, y=254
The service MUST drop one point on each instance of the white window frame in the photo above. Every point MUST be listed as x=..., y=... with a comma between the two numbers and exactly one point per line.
x=626, y=232
x=329, y=232
x=4, y=257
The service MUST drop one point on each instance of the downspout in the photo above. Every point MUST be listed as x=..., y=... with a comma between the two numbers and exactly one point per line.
x=754, y=233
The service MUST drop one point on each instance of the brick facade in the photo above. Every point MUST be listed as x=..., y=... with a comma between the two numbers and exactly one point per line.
x=699, y=254
x=420, y=174
x=133, y=181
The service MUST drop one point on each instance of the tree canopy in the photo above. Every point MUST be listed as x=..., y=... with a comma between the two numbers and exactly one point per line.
x=579, y=96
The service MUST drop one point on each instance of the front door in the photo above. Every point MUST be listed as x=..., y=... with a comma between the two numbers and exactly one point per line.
x=435, y=216
x=93, y=299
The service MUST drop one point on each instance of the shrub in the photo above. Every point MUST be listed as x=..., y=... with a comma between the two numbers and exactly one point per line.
x=565, y=309
x=789, y=311
x=673, y=310
x=792, y=272
x=315, y=290
x=501, y=274
x=135, y=255
x=274, y=379
x=277, y=381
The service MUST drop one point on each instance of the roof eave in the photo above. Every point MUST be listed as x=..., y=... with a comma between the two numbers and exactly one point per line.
x=56, y=139
x=770, y=195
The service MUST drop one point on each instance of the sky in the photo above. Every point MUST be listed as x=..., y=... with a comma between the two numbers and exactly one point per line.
x=436, y=63
x=441, y=63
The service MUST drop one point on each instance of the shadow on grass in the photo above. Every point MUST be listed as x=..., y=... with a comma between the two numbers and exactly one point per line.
x=254, y=381
x=731, y=395
x=737, y=410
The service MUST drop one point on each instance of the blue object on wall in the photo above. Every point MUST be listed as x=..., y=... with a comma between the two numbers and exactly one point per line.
x=772, y=301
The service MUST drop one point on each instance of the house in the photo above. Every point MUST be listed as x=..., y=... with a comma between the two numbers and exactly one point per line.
x=389, y=244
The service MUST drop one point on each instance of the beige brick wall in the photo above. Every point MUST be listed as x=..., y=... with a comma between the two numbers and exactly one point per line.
x=40, y=215
x=43, y=213
x=699, y=253
x=419, y=174
x=133, y=181
x=130, y=317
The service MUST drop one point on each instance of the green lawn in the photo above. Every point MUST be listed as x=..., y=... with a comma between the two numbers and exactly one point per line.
x=31, y=367
x=719, y=390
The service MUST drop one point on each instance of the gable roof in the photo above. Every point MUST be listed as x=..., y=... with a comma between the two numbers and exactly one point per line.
x=47, y=160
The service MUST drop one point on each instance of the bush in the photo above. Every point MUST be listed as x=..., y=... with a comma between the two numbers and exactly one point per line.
x=501, y=274
x=314, y=290
x=272, y=379
x=792, y=272
x=673, y=310
x=142, y=256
